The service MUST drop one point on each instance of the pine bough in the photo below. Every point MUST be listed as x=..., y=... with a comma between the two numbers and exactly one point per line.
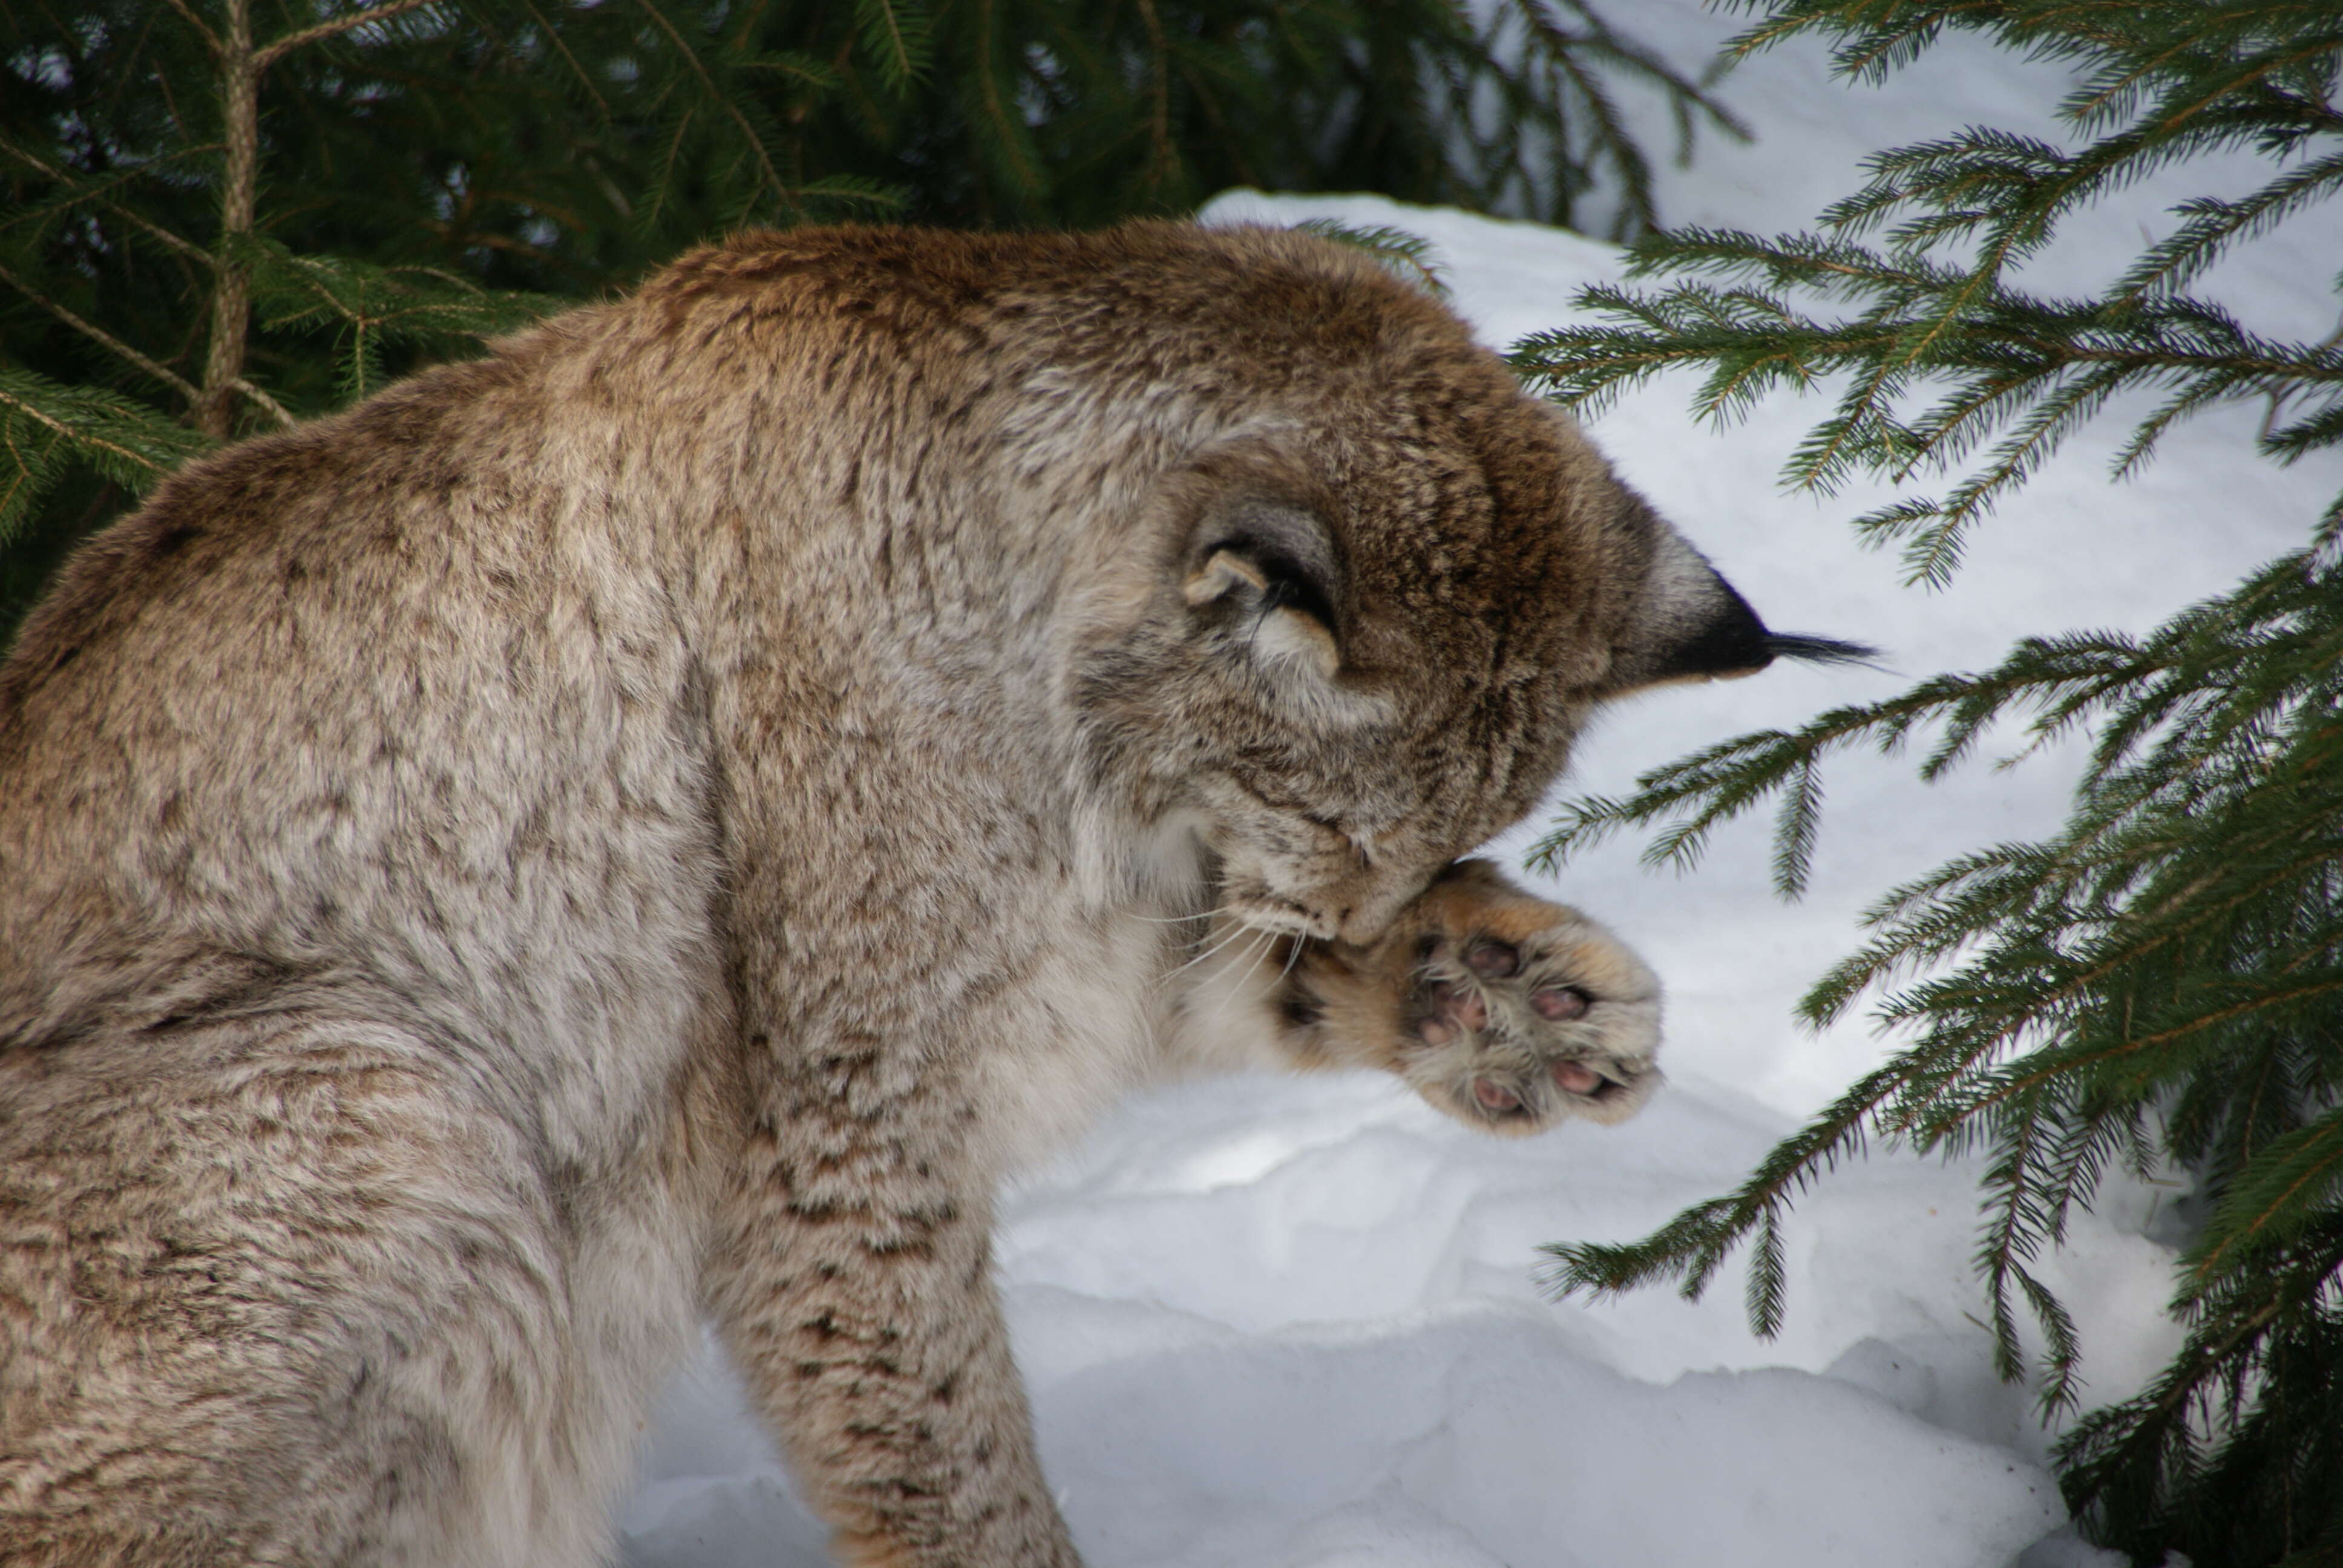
x=2163, y=978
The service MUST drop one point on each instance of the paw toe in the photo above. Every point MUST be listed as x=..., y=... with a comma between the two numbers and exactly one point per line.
x=1493, y=960
x=1577, y=1077
x=1560, y=1004
x=1494, y=1097
x=1453, y=1009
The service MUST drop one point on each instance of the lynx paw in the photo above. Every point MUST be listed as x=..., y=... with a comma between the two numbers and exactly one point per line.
x=1505, y=1010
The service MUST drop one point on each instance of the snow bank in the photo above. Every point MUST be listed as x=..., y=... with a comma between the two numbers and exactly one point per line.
x=1294, y=1324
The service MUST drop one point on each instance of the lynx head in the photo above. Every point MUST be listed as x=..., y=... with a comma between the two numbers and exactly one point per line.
x=1373, y=589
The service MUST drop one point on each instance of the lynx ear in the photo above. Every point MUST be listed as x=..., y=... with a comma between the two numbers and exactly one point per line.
x=1268, y=568
x=1689, y=623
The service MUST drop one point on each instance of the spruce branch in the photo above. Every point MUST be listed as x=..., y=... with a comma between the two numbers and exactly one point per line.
x=752, y=144
x=265, y=403
x=186, y=14
x=895, y=32
x=2295, y=1183
x=370, y=306
x=2161, y=980
x=365, y=17
x=105, y=339
x=46, y=427
x=165, y=236
x=1409, y=255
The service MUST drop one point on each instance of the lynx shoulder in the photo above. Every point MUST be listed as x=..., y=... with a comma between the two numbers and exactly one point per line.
x=657, y=821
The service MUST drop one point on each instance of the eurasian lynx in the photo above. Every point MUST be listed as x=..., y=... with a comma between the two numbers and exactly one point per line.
x=657, y=820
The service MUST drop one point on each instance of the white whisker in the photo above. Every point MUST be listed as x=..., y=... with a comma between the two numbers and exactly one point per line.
x=1252, y=961
x=1216, y=947
x=1182, y=919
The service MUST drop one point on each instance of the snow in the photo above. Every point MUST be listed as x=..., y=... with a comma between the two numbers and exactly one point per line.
x=1295, y=1323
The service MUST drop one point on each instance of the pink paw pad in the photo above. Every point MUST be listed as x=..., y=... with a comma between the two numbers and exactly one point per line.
x=1559, y=1004
x=1576, y=1078
x=1455, y=1013
x=1495, y=1098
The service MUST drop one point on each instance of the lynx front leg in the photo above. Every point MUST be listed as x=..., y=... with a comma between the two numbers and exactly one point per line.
x=1505, y=1010
x=852, y=1279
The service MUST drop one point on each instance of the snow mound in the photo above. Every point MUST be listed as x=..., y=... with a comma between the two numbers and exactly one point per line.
x=1292, y=1325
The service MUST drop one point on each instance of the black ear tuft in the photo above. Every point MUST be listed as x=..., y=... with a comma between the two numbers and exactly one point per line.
x=1690, y=625
x=1819, y=649
x=1715, y=635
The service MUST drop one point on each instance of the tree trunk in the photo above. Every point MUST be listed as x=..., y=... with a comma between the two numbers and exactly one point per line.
x=232, y=290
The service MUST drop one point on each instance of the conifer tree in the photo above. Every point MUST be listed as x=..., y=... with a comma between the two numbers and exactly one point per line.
x=2161, y=980
x=223, y=215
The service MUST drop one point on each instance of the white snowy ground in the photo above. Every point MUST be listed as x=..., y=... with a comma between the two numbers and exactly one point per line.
x=1294, y=1324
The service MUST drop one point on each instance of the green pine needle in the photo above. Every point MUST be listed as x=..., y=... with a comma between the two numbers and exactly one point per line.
x=1409, y=255
x=2159, y=983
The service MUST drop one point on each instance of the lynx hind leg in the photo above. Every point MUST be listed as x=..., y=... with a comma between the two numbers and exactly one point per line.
x=1505, y=1010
